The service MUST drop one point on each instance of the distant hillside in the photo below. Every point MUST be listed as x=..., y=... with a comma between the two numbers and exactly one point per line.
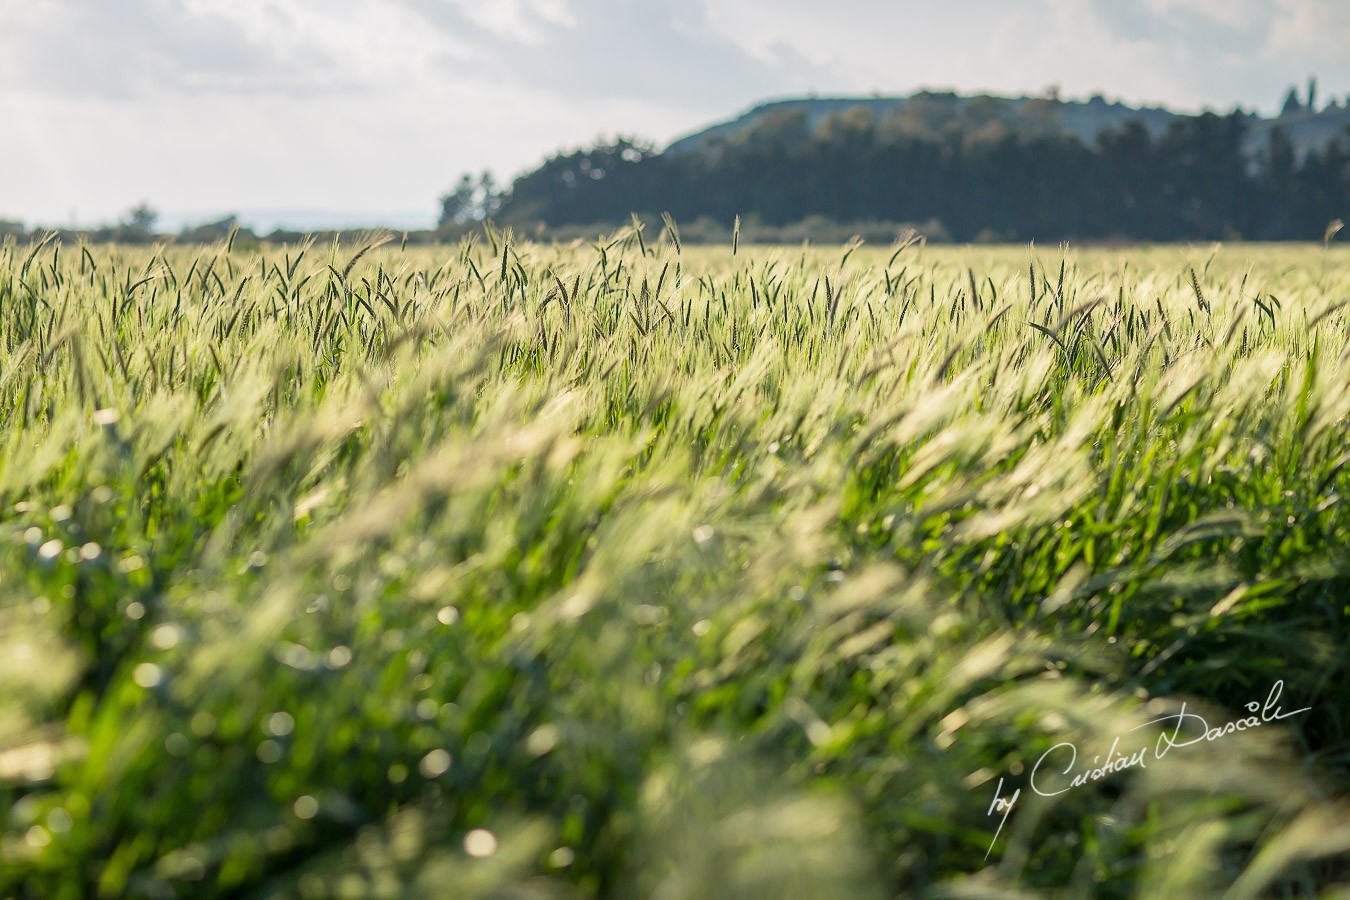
x=963, y=168
x=1084, y=119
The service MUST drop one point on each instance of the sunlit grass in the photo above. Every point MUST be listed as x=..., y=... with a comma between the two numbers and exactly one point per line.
x=640, y=570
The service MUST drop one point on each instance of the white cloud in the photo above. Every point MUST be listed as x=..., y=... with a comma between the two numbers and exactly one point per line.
x=149, y=47
x=521, y=21
x=363, y=39
x=1233, y=13
x=1318, y=26
x=972, y=46
x=380, y=104
x=374, y=150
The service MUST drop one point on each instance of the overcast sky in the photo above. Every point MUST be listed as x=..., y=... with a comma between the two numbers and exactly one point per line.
x=374, y=107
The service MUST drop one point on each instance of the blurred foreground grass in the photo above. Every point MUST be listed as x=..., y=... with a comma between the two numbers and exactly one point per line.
x=639, y=570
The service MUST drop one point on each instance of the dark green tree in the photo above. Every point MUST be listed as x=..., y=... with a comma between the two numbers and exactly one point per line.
x=1279, y=165
x=472, y=200
x=990, y=174
x=1291, y=104
x=141, y=217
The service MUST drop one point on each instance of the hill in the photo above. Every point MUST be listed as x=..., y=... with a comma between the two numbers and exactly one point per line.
x=962, y=168
x=1083, y=119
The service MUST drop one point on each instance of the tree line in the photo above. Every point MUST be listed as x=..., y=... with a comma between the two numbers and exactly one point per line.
x=1205, y=177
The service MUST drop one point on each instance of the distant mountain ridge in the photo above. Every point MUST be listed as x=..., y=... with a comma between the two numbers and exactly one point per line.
x=975, y=168
x=1085, y=119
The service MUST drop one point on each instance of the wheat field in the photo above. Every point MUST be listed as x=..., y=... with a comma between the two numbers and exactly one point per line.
x=629, y=569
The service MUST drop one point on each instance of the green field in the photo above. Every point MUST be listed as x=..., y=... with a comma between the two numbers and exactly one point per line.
x=633, y=570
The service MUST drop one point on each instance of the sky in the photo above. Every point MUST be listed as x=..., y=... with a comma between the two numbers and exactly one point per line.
x=325, y=112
